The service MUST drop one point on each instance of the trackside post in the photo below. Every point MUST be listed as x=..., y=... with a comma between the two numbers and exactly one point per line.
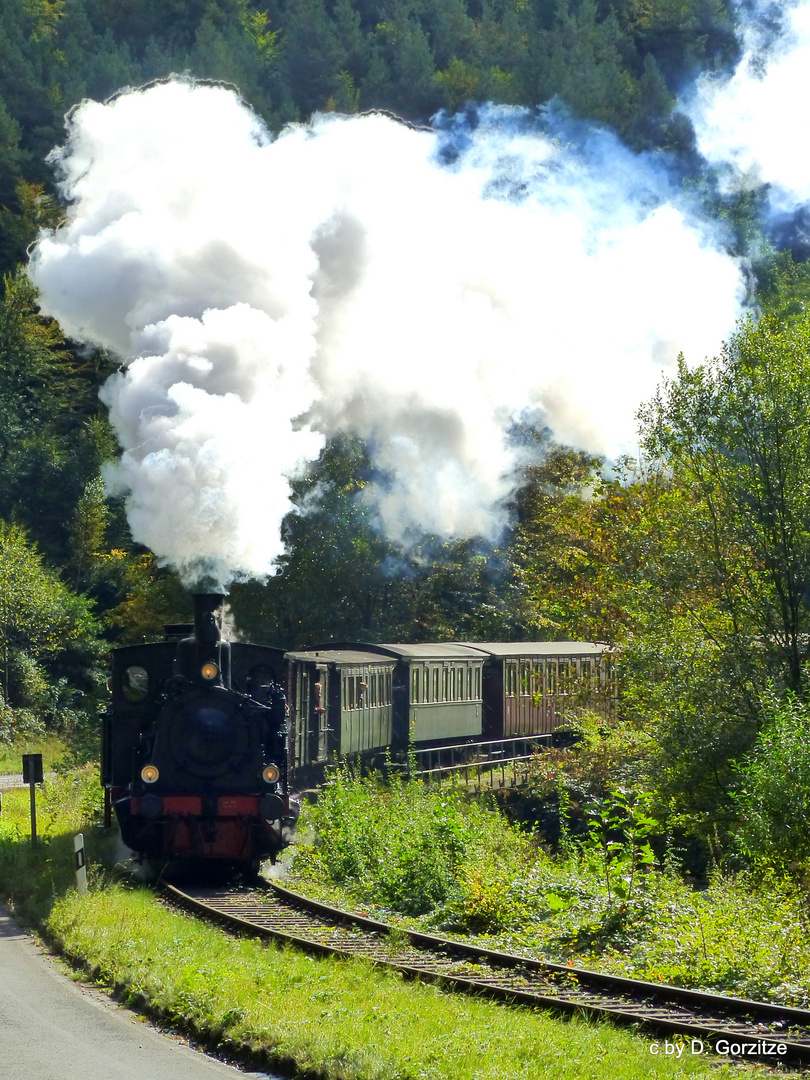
x=33, y=775
x=80, y=863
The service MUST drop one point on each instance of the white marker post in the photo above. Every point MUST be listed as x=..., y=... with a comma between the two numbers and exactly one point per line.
x=81, y=863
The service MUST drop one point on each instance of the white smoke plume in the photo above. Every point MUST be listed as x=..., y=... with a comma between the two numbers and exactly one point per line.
x=420, y=288
x=751, y=122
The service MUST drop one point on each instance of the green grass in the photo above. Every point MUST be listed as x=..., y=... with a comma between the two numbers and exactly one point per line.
x=343, y=1020
x=334, y=1018
x=52, y=748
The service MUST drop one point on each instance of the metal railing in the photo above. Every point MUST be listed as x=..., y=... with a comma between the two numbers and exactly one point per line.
x=480, y=766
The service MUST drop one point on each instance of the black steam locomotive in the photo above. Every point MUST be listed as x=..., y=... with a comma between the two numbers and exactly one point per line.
x=194, y=748
x=204, y=737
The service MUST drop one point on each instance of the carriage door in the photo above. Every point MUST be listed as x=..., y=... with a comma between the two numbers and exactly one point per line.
x=322, y=711
x=302, y=720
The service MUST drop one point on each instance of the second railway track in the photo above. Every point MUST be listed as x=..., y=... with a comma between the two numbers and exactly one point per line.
x=758, y=1029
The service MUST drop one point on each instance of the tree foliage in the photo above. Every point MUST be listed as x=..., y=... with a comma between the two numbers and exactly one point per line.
x=773, y=798
x=340, y=579
x=716, y=568
x=695, y=564
x=45, y=628
x=736, y=437
x=616, y=61
x=48, y=401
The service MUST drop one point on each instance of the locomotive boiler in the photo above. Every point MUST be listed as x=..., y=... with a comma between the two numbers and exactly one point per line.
x=194, y=749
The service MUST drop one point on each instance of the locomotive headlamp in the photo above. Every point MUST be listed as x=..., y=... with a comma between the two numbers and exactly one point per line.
x=270, y=774
x=209, y=671
x=149, y=774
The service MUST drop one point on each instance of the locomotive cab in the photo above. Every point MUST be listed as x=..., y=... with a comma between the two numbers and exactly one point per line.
x=195, y=745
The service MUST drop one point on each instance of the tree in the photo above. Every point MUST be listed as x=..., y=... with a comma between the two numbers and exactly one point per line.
x=313, y=55
x=332, y=580
x=47, y=632
x=583, y=65
x=737, y=433
x=341, y=579
x=696, y=565
x=716, y=567
x=562, y=550
x=48, y=396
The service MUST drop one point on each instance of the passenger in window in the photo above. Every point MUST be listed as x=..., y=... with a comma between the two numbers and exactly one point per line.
x=317, y=694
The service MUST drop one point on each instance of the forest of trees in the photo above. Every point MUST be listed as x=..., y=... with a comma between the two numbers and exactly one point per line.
x=694, y=561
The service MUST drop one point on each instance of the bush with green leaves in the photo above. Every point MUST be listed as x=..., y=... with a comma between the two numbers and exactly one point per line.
x=740, y=935
x=773, y=799
x=620, y=831
x=413, y=848
x=457, y=866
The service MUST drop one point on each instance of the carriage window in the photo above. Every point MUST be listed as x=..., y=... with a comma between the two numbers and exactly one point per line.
x=415, y=684
x=135, y=683
x=388, y=691
x=425, y=683
x=525, y=677
x=478, y=682
x=564, y=678
x=537, y=681
x=586, y=675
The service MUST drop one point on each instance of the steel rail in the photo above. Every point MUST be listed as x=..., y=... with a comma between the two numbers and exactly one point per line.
x=275, y=912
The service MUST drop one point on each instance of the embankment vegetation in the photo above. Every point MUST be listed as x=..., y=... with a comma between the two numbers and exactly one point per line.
x=274, y=1008
x=610, y=897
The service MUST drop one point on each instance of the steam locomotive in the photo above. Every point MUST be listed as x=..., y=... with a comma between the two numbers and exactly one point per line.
x=203, y=737
x=194, y=745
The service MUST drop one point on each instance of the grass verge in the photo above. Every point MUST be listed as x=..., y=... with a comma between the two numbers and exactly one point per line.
x=284, y=1011
x=51, y=747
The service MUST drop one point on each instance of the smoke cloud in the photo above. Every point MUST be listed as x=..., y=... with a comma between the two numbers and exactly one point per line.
x=746, y=122
x=422, y=288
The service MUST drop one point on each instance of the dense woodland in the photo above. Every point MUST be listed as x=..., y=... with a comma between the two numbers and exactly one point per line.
x=694, y=561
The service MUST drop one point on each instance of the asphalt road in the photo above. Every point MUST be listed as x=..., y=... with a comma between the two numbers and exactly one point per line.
x=52, y=1028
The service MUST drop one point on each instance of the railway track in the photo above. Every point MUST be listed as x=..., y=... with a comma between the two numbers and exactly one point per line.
x=757, y=1029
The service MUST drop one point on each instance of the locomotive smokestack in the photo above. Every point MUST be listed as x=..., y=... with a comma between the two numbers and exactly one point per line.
x=208, y=617
x=211, y=654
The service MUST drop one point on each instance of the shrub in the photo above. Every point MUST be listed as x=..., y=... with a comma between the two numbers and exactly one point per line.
x=409, y=847
x=773, y=799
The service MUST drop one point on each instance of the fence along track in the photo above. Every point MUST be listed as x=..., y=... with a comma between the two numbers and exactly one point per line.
x=278, y=913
